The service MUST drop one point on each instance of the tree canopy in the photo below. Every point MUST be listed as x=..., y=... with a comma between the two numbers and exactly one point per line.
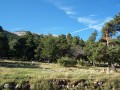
x=50, y=48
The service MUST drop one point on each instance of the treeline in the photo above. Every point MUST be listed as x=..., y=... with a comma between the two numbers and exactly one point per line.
x=40, y=47
x=49, y=48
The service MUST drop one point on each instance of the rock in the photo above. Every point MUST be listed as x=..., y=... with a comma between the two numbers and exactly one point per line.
x=31, y=87
x=7, y=86
x=18, y=86
x=96, y=85
x=100, y=83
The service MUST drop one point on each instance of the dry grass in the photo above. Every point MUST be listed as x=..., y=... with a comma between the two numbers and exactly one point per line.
x=50, y=71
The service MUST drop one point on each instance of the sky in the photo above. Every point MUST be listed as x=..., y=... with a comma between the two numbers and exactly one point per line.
x=78, y=17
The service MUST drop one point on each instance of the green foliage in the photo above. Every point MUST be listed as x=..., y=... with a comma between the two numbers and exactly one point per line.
x=83, y=63
x=43, y=85
x=69, y=39
x=67, y=62
x=82, y=43
x=75, y=40
x=91, y=46
x=100, y=53
x=77, y=52
x=112, y=27
x=38, y=51
x=11, y=36
x=4, y=47
x=1, y=29
x=112, y=84
x=63, y=47
x=39, y=45
x=108, y=29
x=49, y=50
x=29, y=46
x=113, y=53
x=18, y=65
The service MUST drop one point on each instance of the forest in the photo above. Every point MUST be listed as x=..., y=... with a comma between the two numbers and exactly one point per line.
x=49, y=48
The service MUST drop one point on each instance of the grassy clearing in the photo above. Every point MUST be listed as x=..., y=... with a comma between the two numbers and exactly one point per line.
x=48, y=71
x=52, y=71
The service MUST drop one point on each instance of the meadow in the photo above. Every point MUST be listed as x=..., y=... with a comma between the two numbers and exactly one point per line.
x=17, y=71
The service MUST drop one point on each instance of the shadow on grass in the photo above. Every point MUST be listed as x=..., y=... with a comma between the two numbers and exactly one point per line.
x=106, y=65
x=18, y=65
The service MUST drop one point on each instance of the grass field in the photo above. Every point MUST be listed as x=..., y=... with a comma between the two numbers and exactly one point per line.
x=17, y=71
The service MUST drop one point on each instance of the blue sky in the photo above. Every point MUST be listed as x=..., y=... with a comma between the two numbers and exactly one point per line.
x=78, y=17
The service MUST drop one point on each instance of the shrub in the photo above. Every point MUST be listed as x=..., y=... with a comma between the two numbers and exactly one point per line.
x=83, y=63
x=67, y=62
x=112, y=84
x=43, y=85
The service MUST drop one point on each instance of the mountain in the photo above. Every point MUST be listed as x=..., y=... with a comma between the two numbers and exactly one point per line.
x=20, y=33
x=11, y=36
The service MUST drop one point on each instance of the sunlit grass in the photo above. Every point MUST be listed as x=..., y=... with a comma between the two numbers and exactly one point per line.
x=51, y=71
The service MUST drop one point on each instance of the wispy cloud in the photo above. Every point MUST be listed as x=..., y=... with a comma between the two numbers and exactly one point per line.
x=85, y=20
x=92, y=15
x=67, y=9
x=107, y=19
x=97, y=27
x=88, y=21
x=94, y=26
x=71, y=13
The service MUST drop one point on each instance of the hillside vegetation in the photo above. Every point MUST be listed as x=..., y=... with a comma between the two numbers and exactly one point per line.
x=20, y=73
x=47, y=62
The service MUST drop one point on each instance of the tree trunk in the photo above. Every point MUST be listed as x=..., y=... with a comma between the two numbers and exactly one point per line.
x=108, y=45
x=112, y=65
x=93, y=63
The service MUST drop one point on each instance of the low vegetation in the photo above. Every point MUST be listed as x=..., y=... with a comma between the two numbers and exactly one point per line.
x=48, y=48
x=49, y=76
x=67, y=62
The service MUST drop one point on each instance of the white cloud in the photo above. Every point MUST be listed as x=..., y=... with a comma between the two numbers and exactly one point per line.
x=91, y=24
x=96, y=27
x=67, y=10
x=80, y=30
x=87, y=21
x=108, y=19
x=92, y=15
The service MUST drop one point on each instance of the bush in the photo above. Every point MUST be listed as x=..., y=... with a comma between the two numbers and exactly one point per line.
x=84, y=63
x=67, y=62
x=43, y=85
x=112, y=84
